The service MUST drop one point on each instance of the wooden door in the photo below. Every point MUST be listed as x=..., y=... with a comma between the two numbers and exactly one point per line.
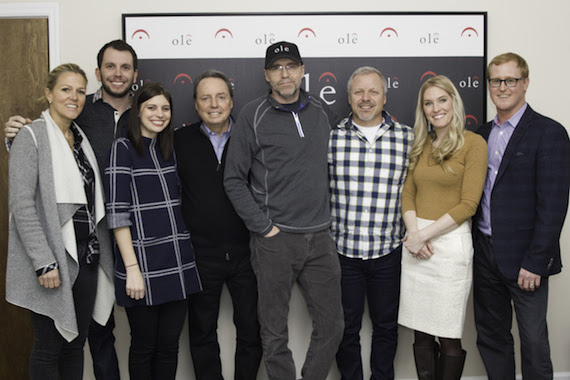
x=24, y=67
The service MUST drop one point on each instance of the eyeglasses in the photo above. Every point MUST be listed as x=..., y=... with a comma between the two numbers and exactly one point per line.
x=280, y=68
x=509, y=82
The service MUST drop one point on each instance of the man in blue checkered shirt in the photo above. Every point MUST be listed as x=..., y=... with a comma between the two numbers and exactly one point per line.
x=368, y=160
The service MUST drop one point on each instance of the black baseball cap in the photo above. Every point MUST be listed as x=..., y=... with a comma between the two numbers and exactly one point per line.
x=282, y=49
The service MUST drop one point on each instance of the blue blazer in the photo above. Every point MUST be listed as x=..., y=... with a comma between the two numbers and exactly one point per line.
x=529, y=199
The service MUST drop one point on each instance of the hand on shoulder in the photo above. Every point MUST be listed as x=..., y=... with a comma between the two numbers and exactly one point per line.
x=14, y=124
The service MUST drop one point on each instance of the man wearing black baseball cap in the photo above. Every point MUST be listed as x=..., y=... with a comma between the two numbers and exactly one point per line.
x=277, y=179
x=282, y=50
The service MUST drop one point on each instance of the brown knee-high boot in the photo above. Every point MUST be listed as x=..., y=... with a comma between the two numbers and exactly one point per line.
x=426, y=361
x=451, y=366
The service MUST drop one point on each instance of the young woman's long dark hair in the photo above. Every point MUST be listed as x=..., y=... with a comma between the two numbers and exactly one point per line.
x=166, y=136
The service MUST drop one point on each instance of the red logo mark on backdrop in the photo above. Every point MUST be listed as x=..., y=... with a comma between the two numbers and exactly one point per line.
x=140, y=34
x=223, y=34
x=389, y=33
x=427, y=74
x=232, y=82
x=469, y=32
x=183, y=79
x=306, y=33
x=471, y=121
x=327, y=77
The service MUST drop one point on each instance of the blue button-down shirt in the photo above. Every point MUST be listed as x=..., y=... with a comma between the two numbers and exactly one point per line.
x=218, y=142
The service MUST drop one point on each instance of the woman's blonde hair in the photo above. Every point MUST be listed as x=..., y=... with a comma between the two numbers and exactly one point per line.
x=54, y=75
x=454, y=139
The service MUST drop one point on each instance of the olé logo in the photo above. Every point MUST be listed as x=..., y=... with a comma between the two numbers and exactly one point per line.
x=389, y=33
x=430, y=38
x=266, y=39
x=139, y=84
x=140, y=34
x=427, y=74
x=182, y=79
x=393, y=82
x=182, y=40
x=469, y=32
x=348, y=39
x=223, y=34
x=306, y=33
x=328, y=82
x=471, y=122
x=281, y=48
x=328, y=91
x=470, y=82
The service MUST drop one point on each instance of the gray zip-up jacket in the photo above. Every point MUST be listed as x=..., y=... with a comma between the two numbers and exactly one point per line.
x=276, y=170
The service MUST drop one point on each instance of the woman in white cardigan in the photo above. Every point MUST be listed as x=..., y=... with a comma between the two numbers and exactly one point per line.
x=59, y=252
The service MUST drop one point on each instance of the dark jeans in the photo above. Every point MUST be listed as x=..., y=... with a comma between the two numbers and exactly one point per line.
x=378, y=280
x=102, y=347
x=203, y=309
x=51, y=353
x=312, y=262
x=493, y=295
x=155, y=331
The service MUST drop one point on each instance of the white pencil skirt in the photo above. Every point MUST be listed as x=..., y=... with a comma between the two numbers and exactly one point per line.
x=434, y=292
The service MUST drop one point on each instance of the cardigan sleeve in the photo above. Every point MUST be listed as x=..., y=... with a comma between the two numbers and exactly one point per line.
x=118, y=177
x=23, y=188
x=473, y=178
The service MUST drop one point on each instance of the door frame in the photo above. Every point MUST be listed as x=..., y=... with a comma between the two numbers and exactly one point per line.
x=43, y=10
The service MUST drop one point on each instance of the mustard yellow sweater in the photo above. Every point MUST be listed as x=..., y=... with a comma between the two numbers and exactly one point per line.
x=432, y=192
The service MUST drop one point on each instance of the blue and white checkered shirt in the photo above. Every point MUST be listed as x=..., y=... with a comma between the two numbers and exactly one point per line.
x=366, y=181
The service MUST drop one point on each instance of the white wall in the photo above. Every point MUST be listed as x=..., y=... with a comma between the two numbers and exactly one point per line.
x=537, y=30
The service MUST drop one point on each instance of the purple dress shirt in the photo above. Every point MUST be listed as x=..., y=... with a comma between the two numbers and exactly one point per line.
x=218, y=142
x=499, y=138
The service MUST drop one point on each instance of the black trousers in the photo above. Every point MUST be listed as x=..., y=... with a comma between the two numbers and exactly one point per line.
x=102, y=347
x=155, y=331
x=203, y=308
x=494, y=296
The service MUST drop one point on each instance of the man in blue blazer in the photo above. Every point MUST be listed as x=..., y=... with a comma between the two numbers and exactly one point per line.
x=518, y=225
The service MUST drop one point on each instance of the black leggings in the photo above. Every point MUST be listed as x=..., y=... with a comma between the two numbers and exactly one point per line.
x=448, y=346
x=155, y=331
x=51, y=352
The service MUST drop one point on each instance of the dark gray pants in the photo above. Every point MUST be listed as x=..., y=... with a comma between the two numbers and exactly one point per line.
x=311, y=261
x=493, y=295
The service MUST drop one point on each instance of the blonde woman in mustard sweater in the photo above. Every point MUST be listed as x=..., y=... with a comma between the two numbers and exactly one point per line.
x=442, y=191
